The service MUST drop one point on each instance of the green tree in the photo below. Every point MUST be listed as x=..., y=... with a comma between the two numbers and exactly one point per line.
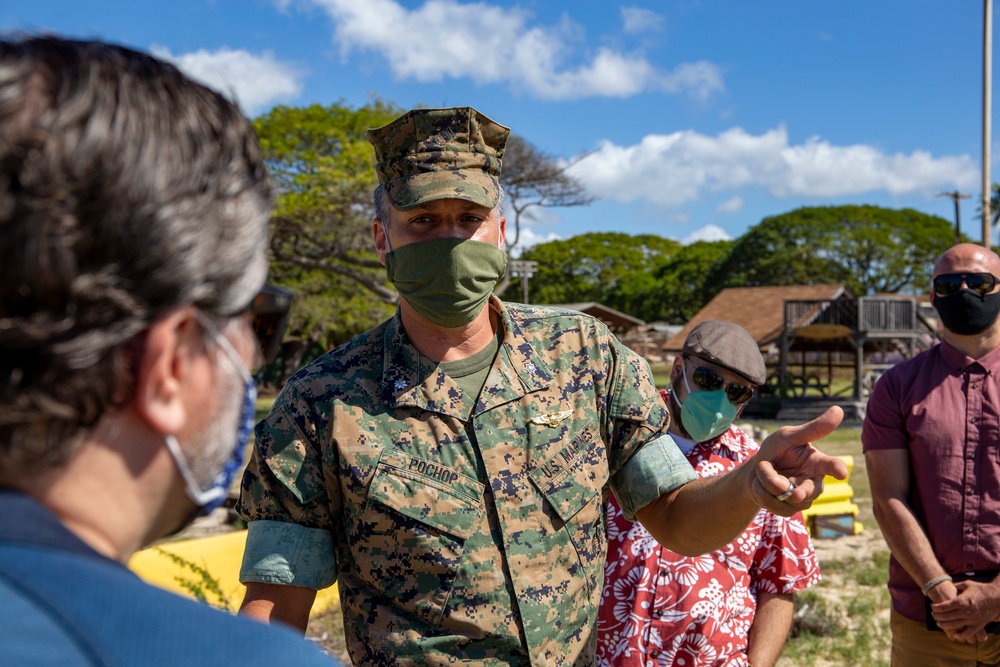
x=321, y=243
x=682, y=282
x=780, y=250
x=867, y=249
x=531, y=179
x=593, y=266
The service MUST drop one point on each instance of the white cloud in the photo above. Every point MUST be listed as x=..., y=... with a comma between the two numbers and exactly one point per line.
x=529, y=239
x=490, y=44
x=732, y=205
x=253, y=81
x=669, y=170
x=707, y=233
x=637, y=19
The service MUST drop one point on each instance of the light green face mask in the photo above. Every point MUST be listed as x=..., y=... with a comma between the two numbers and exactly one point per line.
x=447, y=281
x=706, y=414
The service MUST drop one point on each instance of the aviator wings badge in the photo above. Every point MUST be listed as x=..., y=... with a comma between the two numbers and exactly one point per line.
x=551, y=418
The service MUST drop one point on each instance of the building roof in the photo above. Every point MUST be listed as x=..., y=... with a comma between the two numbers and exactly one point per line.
x=759, y=310
x=615, y=319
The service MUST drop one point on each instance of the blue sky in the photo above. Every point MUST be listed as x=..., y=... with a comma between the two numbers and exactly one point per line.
x=699, y=117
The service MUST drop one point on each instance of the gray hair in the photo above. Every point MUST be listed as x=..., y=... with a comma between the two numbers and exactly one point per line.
x=380, y=201
x=126, y=191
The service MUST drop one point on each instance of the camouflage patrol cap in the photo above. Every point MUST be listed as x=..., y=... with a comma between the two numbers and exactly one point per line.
x=429, y=154
x=727, y=345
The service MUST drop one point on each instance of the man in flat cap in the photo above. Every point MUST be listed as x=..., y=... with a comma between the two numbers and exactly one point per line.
x=448, y=469
x=730, y=607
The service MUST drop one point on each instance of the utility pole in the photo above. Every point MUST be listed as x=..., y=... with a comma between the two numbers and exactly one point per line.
x=956, y=196
x=987, y=101
x=524, y=270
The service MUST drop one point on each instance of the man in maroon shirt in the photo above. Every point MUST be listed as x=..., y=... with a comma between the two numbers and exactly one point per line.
x=932, y=446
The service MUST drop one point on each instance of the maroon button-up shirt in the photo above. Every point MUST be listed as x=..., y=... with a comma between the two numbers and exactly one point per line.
x=944, y=408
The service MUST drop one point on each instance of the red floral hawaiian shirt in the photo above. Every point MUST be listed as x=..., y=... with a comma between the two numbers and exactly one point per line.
x=661, y=608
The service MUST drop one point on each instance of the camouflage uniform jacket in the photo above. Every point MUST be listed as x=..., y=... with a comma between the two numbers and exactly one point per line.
x=464, y=529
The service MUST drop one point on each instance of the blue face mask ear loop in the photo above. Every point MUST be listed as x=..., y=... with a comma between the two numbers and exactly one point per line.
x=210, y=498
x=235, y=462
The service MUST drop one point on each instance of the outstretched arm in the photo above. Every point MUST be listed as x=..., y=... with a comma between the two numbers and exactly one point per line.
x=707, y=514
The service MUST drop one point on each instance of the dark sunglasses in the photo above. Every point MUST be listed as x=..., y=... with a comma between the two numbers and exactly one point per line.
x=269, y=311
x=949, y=283
x=708, y=379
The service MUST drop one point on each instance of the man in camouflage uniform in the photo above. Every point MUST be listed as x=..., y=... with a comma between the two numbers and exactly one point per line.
x=448, y=469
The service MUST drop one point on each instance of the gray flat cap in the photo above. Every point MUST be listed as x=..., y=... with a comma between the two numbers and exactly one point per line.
x=728, y=345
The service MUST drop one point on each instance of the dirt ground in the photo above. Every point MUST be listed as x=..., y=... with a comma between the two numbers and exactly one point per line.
x=854, y=546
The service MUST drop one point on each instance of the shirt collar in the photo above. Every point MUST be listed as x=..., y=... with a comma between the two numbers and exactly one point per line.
x=411, y=379
x=955, y=359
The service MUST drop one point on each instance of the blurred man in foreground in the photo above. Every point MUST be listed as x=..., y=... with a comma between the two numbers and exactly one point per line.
x=133, y=237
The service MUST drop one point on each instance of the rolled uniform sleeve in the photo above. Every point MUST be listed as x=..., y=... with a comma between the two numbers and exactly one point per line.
x=286, y=501
x=278, y=552
x=645, y=461
x=657, y=468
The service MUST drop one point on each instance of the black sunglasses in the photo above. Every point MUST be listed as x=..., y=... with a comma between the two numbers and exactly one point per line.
x=947, y=284
x=269, y=311
x=708, y=379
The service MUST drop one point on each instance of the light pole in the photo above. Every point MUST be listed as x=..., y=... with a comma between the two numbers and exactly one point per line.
x=522, y=269
x=987, y=100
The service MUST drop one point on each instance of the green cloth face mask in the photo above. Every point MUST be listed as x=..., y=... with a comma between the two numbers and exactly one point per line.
x=447, y=281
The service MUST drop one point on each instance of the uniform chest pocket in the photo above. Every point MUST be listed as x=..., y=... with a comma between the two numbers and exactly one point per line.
x=575, y=475
x=572, y=483
x=409, y=543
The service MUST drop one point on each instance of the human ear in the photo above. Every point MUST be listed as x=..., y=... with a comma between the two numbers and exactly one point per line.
x=381, y=236
x=164, y=368
x=677, y=369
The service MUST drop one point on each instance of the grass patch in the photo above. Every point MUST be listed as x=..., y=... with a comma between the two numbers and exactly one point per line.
x=837, y=623
x=870, y=572
x=845, y=440
x=661, y=375
x=327, y=631
x=262, y=407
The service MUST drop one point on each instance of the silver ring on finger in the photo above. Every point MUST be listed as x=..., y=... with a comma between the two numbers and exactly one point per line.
x=787, y=494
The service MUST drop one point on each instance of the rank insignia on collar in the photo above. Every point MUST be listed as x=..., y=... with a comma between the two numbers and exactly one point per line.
x=551, y=418
x=400, y=385
x=530, y=367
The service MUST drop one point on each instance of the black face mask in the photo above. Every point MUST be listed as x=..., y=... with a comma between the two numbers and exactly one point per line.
x=966, y=312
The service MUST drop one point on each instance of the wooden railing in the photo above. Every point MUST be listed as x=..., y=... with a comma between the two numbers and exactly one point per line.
x=881, y=315
x=869, y=314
